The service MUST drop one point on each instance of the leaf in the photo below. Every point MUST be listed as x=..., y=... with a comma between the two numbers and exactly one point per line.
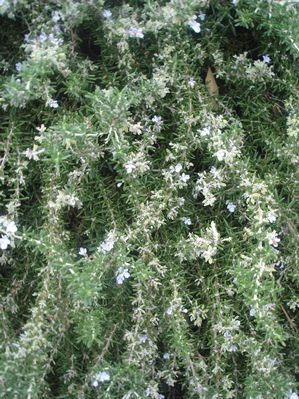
x=211, y=83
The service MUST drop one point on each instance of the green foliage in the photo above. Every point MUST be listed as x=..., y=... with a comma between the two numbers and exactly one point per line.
x=148, y=227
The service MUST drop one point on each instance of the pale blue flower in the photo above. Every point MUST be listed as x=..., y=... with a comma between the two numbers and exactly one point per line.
x=187, y=221
x=82, y=251
x=266, y=59
x=122, y=275
x=194, y=25
x=19, y=66
x=4, y=242
x=143, y=338
x=107, y=14
x=184, y=178
x=107, y=245
x=231, y=207
x=53, y=103
x=136, y=33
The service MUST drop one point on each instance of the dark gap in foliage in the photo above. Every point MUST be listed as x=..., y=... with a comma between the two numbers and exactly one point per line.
x=87, y=45
x=12, y=33
x=144, y=51
x=18, y=285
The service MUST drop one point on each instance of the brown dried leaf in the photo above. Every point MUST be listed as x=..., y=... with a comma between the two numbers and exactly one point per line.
x=211, y=84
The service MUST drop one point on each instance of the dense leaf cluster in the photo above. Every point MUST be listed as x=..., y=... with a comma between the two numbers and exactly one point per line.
x=148, y=201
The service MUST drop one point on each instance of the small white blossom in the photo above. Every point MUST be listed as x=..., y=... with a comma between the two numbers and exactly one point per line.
x=271, y=217
x=4, y=242
x=273, y=239
x=220, y=155
x=10, y=226
x=143, y=338
x=82, y=251
x=55, y=16
x=136, y=33
x=181, y=201
x=122, y=275
x=293, y=395
x=178, y=167
x=191, y=82
x=19, y=66
x=194, y=25
x=184, y=177
x=227, y=334
x=166, y=356
x=107, y=245
x=231, y=207
x=53, y=103
x=206, y=131
x=102, y=376
x=107, y=14
x=187, y=221
x=156, y=119
x=266, y=59
x=43, y=37
x=252, y=311
x=232, y=348
x=129, y=166
x=202, y=16
x=234, y=2
x=33, y=153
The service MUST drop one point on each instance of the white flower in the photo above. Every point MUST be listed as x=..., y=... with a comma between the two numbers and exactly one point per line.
x=266, y=59
x=271, y=217
x=43, y=37
x=187, y=221
x=273, y=239
x=234, y=2
x=233, y=348
x=107, y=245
x=184, y=177
x=122, y=275
x=231, y=207
x=181, y=201
x=10, y=227
x=178, y=168
x=143, y=338
x=191, y=82
x=166, y=356
x=53, y=103
x=136, y=32
x=194, y=25
x=293, y=395
x=206, y=131
x=102, y=376
x=19, y=66
x=129, y=166
x=156, y=119
x=252, y=311
x=107, y=14
x=202, y=16
x=82, y=251
x=33, y=153
x=4, y=242
x=227, y=334
x=95, y=383
x=55, y=16
x=220, y=155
